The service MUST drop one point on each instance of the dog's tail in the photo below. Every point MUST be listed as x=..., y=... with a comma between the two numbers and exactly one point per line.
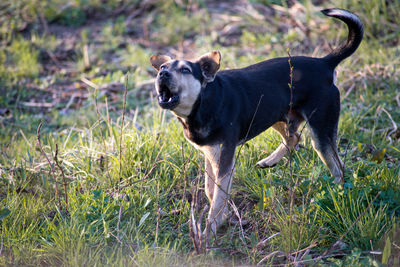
x=353, y=40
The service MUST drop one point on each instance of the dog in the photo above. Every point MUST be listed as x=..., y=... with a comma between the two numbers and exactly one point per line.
x=220, y=110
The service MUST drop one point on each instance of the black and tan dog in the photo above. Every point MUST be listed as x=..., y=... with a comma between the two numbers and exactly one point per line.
x=220, y=110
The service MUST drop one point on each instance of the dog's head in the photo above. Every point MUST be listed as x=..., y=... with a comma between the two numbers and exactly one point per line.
x=179, y=82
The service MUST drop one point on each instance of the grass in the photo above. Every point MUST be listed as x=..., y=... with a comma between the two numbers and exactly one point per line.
x=129, y=189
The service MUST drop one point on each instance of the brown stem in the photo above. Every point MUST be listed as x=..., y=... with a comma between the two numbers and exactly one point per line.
x=122, y=131
x=51, y=166
x=63, y=177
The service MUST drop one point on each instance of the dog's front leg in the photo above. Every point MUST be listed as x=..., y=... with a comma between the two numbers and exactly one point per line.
x=209, y=179
x=223, y=168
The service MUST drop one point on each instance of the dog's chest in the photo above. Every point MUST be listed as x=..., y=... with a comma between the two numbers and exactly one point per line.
x=196, y=135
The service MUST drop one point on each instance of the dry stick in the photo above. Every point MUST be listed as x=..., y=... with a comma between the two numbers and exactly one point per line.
x=121, y=208
x=199, y=236
x=51, y=166
x=398, y=100
x=63, y=177
x=195, y=231
x=393, y=123
x=270, y=255
x=118, y=225
x=193, y=228
x=236, y=211
x=291, y=191
x=44, y=22
x=122, y=131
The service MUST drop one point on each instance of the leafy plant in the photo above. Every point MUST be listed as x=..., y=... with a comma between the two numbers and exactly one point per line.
x=350, y=215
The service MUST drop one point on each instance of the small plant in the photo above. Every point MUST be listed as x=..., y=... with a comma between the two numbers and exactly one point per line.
x=350, y=215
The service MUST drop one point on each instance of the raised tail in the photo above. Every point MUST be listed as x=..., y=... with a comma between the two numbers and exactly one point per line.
x=354, y=38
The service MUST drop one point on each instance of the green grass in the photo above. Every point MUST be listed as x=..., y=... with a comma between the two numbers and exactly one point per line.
x=129, y=203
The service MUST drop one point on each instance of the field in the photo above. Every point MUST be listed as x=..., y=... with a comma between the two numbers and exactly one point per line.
x=94, y=173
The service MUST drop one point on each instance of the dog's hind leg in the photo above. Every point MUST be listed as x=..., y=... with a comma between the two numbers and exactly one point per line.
x=290, y=138
x=323, y=125
x=325, y=147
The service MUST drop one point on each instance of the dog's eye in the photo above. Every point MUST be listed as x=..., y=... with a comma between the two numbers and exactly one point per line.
x=185, y=70
x=163, y=67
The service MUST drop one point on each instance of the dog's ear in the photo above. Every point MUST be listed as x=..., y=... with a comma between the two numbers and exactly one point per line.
x=209, y=64
x=157, y=60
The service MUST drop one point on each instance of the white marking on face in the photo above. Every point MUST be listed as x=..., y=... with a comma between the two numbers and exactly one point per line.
x=189, y=89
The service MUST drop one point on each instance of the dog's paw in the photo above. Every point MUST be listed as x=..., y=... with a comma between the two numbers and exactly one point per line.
x=338, y=180
x=266, y=163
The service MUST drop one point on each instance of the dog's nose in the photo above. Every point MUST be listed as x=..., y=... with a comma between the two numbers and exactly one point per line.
x=164, y=74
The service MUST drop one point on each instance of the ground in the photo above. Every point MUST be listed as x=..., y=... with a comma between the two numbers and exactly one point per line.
x=112, y=180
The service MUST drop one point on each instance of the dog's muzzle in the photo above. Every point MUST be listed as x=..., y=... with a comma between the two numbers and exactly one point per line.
x=166, y=98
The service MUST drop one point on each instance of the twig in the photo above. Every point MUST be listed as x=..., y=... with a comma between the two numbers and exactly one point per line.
x=398, y=100
x=121, y=208
x=93, y=85
x=270, y=255
x=291, y=190
x=349, y=91
x=263, y=242
x=37, y=105
x=86, y=59
x=54, y=58
x=122, y=131
x=118, y=225
x=291, y=80
x=305, y=249
x=63, y=177
x=236, y=211
x=199, y=233
x=44, y=22
x=195, y=229
x=393, y=123
x=192, y=229
x=51, y=166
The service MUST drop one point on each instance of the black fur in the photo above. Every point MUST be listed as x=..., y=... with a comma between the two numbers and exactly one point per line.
x=260, y=94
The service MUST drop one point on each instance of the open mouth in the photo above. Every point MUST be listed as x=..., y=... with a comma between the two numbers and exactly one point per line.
x=167, y=99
